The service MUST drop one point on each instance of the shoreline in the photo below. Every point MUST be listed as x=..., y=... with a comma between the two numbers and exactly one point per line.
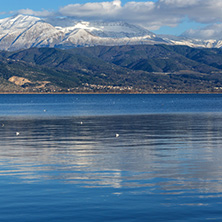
x=103, y=93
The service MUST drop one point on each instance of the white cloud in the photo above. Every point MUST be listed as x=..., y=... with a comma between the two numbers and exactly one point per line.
x=179, y=3
x=149, y=14
x=93, y=10
x=43, y=13
x=203, y=11
x=210, y=32
x=143, y=13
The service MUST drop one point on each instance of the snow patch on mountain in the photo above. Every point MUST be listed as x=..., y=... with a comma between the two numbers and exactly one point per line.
x=17, y=22
x=23, y=31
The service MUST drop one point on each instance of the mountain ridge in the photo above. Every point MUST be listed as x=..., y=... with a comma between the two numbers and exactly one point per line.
x=147, y=68
x=24, y=31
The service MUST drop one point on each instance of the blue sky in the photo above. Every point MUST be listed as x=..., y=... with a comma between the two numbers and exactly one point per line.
x=5, y=4
x=159, y=16
x=9, y=5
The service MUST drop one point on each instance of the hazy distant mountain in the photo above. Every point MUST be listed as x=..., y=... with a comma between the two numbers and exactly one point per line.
x=22, y=32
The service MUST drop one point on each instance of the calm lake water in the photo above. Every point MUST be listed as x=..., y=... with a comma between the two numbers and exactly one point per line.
x=110, y=158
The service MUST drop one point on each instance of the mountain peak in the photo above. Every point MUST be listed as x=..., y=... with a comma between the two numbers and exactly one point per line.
x=25, y=17
x=25, y=31
x=18, y=21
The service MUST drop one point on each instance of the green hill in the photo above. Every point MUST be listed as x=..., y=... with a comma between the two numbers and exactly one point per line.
x=142, y=68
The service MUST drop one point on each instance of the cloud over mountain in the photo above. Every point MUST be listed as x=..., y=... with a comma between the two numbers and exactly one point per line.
x=43, y=13
x=93, y=10
x=149, y=14
x=210, y=32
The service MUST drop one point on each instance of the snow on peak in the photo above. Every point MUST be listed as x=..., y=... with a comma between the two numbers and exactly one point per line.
x=18, y=22
x=79, y=25
x=118, y=30
x=25, y=31
x=102, y=29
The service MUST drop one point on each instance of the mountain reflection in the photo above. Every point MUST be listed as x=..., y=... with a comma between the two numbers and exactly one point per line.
x=174, y=152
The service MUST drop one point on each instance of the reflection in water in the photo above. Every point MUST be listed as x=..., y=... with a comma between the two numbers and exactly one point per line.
x=171, y=153
x=160, y=168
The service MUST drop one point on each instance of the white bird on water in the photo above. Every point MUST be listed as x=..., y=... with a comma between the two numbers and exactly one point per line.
x=17, y=133
x=117, y=135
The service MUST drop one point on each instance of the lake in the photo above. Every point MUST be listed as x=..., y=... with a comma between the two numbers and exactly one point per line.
x=110, y=158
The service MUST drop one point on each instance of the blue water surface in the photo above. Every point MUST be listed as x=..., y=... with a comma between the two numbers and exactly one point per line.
x=110, y=158
x=90, y=105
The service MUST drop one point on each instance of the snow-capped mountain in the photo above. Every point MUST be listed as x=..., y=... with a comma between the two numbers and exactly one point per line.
x=198, y=43
x=27, y=31
x=23, y=31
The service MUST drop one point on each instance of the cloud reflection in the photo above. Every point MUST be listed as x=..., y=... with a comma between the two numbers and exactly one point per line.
x=171, y=153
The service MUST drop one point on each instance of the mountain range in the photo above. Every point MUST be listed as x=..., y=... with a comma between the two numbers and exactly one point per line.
x=128, y=68
x=24, y=31
x=64, y=55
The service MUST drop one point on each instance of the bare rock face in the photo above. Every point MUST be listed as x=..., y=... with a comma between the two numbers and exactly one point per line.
x=19, y=81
